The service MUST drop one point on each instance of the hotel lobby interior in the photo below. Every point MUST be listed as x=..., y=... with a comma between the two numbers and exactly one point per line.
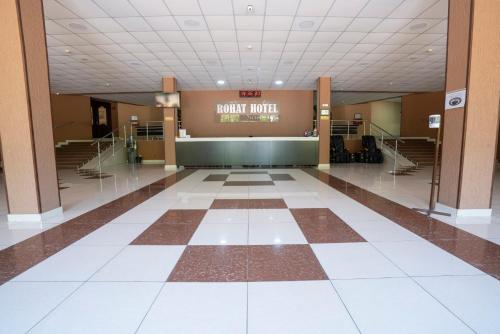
x=258, y=166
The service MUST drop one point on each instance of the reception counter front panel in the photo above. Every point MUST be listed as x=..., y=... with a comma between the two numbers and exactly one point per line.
x=247, y=151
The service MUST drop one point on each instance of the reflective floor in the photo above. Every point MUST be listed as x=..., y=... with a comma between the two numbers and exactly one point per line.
x=246, y=251
x=413, y=191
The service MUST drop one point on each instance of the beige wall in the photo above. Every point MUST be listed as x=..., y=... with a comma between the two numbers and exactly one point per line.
x=348, y=111
x=144, y=114
x=387, y=115
x=198, y=114
x=415, y=111
x=71, y=117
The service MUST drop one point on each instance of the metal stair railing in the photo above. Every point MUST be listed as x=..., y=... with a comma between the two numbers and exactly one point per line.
x=379, y=133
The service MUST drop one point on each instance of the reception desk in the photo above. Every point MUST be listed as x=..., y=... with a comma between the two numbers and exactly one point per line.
x=247, y=151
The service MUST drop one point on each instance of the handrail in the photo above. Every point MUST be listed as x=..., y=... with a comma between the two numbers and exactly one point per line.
x=98, y=142
x=387, y=133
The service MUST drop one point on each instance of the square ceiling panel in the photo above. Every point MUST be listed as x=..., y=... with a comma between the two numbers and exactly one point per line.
x=131, y=44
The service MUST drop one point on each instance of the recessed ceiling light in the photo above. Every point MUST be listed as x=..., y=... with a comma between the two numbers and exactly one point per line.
x=191, y=23
x=306, y=24
x=77, y=26
x=429, y=50
x=418, y=26
x=249, y=47
x=278, y=82
x=57, y=93
x=108, y=84
x=390, y=83
x=67, y=51
x=220, y=82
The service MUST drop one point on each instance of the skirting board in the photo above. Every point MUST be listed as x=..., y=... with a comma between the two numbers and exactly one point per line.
x=153, y=162
x=464, y=212
x=35, y=217
x=170, y=167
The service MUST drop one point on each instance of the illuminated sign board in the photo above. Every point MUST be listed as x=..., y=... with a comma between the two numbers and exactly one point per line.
x=234, y=112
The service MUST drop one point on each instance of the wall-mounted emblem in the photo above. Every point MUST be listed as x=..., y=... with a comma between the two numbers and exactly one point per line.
x=455, y=99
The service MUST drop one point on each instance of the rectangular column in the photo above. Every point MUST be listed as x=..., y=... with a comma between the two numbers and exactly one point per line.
x=470, y=132
x=25, y=114
x=324, y=92
x=169, y=85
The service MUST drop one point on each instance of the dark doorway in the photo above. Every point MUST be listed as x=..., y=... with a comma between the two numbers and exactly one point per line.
x=101, y=118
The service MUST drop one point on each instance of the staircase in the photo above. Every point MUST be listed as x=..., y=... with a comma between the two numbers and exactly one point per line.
x=419, y=151
x=75, y=154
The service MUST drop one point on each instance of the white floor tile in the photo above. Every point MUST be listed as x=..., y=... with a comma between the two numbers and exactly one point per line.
x=220, y=234
x=23, y=304
x=233, y=192
x=303, y=202
x=272, y=233
x=143, y=215
x=270, y=216
x=74, y=263
x=296, y=307
x=102, y=307
x=421, y=258
x=354, y=260
x=395, y=305
x=198, y=308
x=237, y=177
x=192, y=203
x=141, y=263
x=382, y=231
x=112, y=235
x=474, y=299
x=234, y=216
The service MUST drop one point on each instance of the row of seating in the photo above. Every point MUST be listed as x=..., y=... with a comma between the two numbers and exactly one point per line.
x=369, y=152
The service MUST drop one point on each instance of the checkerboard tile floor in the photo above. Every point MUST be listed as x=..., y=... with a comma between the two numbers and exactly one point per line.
x=250, y=251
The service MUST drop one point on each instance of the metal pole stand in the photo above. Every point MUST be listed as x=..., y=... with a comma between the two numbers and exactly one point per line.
x=432, y=202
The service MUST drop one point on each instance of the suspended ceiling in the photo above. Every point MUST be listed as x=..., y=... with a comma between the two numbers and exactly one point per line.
x=128, y=45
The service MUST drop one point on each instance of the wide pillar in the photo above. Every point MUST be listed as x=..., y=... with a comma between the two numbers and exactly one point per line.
x=470, y=132
x=25, y=115
x=169, y=85
x=324, y=92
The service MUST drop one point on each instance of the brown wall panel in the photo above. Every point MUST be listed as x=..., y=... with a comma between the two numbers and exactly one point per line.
x=199, y=118
x=144, y=114
x=482, y=107
x=151, y=149
x=415, y=111
x=456, y=78
x=71, y=117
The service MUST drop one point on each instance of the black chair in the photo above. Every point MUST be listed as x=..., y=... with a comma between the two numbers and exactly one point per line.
x=370, y=153
x=338, y=153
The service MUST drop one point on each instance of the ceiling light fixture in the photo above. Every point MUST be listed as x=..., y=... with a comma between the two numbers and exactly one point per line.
x=249, y=47
x=191, y=23
x=77, y=26
x=250, y=9
x=278, y=82
x=418, y=26
x=67, y=51
x=429, y=50
x=306, y=24
x=220, y=82
x=108, y=84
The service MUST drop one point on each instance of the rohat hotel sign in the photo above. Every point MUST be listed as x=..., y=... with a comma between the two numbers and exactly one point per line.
x=234, y=112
